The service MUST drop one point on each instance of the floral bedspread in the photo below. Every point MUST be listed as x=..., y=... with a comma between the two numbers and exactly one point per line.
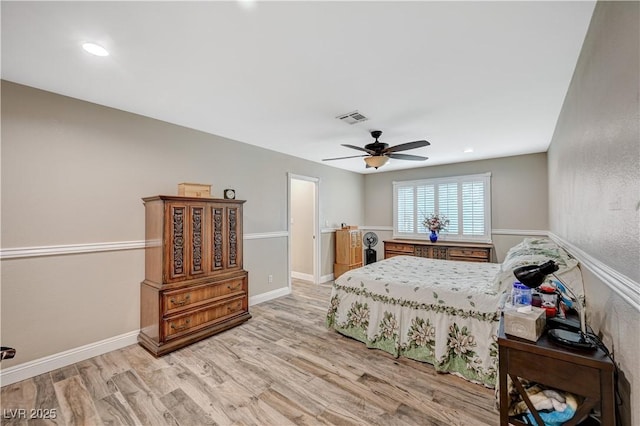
x=442, y=312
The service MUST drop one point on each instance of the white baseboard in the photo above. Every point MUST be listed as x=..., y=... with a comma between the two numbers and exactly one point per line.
x=62, y=359
x=326, y=278
x=49, y=363
x=302, y=276
x=270, y=295
x=309, y=277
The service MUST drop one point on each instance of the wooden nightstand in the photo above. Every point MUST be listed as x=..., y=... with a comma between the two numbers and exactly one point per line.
x=586, y=373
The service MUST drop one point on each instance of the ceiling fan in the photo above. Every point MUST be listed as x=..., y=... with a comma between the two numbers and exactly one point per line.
x=378, y=153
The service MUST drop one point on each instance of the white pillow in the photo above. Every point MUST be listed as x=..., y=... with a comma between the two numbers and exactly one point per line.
x=534, y=251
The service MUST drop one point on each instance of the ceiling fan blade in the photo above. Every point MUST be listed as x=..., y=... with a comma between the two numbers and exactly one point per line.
x=406, y=157
x=342, y=158
x=358, y=148
x=406, y=146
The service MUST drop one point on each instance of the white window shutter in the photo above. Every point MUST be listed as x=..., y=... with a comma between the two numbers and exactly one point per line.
x=464, y=200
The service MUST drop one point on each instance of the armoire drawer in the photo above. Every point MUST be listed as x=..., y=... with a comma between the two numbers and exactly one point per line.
x=193, y=320
x=469, y=253
x=402, y=248
x=178, y=300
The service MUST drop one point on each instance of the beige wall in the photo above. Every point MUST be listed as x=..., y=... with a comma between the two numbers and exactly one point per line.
x=518, y=196
x=594, y=181
x=56, y=303
x=75, y=172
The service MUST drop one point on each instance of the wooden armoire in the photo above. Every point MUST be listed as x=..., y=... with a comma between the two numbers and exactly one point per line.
x=348, y=251
x=195, y=284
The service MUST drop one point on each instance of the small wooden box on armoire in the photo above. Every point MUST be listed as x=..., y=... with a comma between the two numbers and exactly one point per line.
x=348, y=251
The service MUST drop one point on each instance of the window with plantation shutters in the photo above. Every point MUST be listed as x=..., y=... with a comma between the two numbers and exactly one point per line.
x=464, y=200
x=473, y=208
x=406, y=211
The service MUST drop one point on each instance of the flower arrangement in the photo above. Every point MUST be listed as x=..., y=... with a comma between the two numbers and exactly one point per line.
x=436, y=222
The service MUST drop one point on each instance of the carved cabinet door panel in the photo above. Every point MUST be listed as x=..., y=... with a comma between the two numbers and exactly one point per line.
x=185, y=241
x=225, y=237
x=234, y=237
x=217, y=233
x=440, y=253
x=175, y=245
x=198, y=240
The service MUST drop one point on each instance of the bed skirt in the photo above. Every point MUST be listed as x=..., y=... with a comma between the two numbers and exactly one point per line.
x=456, y=341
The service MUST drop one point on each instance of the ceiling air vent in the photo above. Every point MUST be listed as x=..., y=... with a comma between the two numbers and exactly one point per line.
x=352, y=117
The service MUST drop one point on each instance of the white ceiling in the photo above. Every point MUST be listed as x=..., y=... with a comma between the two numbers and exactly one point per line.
x=490, y=76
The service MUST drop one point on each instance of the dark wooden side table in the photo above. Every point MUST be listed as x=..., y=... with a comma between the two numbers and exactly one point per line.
x=589, y=374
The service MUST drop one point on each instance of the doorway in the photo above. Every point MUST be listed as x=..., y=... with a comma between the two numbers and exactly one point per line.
x=304, y=228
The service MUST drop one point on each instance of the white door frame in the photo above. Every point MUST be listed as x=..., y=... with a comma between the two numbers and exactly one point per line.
x=317, y=237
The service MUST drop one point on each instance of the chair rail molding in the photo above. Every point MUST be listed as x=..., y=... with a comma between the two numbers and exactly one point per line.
x=82, y=248
x=377, y=228
x=622, y=285
x=58, y=250
x=532, y=232
x=525, y=232
x=265, y=235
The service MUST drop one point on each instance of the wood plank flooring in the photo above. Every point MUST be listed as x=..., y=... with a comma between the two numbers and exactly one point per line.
x=282, y=367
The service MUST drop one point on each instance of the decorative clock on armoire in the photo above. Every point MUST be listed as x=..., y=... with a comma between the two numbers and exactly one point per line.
x=230, y=194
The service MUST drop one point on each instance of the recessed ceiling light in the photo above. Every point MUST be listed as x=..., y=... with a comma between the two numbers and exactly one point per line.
x=467, y=150
x=95, y=49
x=247, y=4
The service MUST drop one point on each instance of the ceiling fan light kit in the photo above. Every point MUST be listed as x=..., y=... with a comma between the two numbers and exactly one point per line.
x=376, y=161
x=378, y=153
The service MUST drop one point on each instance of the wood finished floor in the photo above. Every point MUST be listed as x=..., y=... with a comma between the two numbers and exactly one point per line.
x=282, y=367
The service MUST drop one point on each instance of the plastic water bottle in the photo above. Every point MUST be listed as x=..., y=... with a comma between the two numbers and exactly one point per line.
x=520, y=295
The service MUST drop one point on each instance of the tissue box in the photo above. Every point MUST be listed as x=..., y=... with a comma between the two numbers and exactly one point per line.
x=526, y=325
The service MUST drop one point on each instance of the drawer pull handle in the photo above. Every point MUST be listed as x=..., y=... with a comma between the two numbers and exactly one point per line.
x=233, y=288
x=182, y=302
x=233, y=308
x=181, y=327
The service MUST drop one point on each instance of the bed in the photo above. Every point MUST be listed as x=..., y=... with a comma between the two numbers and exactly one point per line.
x=442, y=312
